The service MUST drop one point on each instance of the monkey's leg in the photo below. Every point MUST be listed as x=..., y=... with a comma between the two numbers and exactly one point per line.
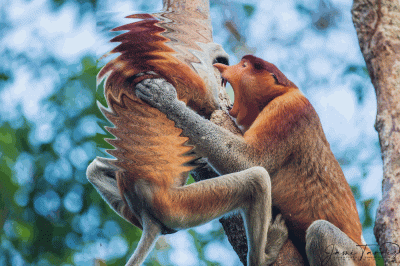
x=327, y=245
x=183, y=207
x=102, y=175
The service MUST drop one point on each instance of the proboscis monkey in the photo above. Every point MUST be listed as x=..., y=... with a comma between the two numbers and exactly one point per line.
x=284, y=135
x=145, y=184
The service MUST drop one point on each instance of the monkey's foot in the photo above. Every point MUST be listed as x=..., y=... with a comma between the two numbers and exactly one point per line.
x=277, y=236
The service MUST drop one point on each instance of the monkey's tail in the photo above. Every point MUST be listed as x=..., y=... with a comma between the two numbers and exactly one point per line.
x=151, y=231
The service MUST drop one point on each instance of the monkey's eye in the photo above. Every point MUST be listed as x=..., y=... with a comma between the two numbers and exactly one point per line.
x=221, y=60
x=244, y=64
x=275, y=78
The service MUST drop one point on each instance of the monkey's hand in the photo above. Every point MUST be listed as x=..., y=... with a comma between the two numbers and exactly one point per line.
x=157, y=92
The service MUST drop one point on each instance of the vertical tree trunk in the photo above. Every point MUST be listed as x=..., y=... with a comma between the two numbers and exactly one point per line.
x=233, y=226
x=378, y=29
x=200, y=6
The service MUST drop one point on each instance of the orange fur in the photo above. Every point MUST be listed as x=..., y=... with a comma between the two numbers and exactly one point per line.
x=285, y=131
x=147, y=145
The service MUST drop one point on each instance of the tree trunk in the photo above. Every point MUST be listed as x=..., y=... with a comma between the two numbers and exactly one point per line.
x=378, y=29
x=182, y=11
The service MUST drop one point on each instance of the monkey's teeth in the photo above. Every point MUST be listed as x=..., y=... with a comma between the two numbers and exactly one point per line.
x=223, y=82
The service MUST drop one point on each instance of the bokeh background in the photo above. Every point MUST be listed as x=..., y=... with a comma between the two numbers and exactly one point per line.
x=50, y=126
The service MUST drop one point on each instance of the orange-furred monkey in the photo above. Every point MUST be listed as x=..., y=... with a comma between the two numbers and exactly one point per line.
x=145, y=184
x=283, y=134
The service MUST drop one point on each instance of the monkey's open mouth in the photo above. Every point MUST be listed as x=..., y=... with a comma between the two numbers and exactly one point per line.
x=223, y=81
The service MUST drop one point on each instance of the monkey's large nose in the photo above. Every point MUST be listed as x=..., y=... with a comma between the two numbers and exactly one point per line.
x=220, y=67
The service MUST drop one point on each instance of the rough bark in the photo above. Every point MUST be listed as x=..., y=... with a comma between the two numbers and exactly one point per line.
x=233, y=225
x=378, y=29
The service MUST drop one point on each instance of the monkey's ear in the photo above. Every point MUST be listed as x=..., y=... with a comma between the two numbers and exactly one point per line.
x=279, y=77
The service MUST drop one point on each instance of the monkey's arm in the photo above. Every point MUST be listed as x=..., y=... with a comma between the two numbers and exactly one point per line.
x=224, y=150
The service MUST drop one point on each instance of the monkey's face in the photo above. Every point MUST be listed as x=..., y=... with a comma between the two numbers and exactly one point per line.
x=251, y=85
x=236, y=76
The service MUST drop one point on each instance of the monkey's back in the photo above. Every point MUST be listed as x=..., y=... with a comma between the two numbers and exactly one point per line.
x=147, y=144
x=310, y=185
x=307, y=181
x=320, y=192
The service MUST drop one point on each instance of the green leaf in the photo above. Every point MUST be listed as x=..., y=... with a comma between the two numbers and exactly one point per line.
x=368, y=221
x=249, y=10
x=4, y=77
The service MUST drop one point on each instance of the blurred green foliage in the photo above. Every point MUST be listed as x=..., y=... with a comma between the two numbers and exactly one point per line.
x=40, y=237
x=249, y=10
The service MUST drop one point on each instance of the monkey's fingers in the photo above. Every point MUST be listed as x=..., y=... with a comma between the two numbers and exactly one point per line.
x=160, y=87
x=156, y=92
x=278, y=227
x=143, y=93
x=279, y=219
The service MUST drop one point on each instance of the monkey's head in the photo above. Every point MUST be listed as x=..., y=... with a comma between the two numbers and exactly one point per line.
x=255, y=83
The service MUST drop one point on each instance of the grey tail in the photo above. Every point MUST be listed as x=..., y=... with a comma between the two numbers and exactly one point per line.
x=151, y=232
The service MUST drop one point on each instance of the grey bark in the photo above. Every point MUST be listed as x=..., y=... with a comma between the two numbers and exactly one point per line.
x=377, y=23
x=233, y=225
